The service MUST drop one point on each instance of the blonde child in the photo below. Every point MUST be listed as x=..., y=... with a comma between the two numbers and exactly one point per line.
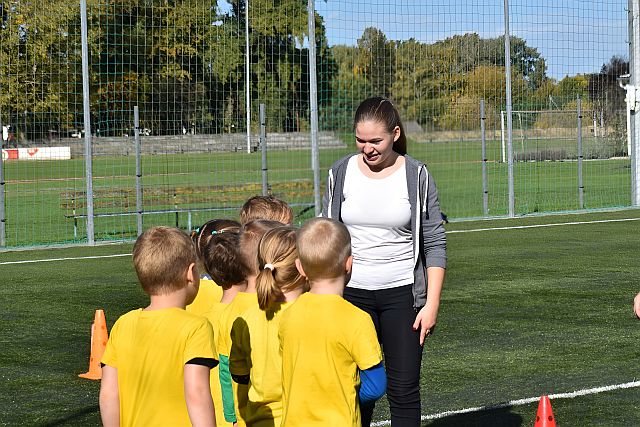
x=210, y=292
x=234, y=393
x=266, y=207
x=157, y=361
x=221, y=258
x=328, y=345
x=255, y=350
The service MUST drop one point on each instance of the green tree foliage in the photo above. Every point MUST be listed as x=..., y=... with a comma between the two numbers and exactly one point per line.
x=38, y=72
x=376, y=60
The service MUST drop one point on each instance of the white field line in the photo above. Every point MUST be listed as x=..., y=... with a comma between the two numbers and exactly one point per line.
x=520, y=402
x=31, y=261
x=515, y=227
x=519, y=227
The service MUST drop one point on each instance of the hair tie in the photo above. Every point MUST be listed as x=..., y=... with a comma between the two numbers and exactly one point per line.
x=269, y=266
x=214, y=232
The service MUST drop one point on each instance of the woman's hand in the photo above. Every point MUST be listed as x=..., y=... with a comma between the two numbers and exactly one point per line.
x=426, y=321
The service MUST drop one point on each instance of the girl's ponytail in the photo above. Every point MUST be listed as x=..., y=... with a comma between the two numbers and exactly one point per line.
x=277, y=262
x=267, y=288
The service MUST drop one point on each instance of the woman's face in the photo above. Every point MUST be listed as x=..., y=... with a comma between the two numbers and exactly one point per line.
x=376, y=143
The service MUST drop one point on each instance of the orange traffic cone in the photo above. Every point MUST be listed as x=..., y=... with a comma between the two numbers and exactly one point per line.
x=544, y=417
x=99, y=339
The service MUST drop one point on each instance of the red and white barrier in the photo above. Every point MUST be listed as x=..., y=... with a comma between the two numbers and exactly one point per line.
x=39, y=153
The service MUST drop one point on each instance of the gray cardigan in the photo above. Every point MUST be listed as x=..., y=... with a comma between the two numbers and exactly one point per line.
x=429, y=245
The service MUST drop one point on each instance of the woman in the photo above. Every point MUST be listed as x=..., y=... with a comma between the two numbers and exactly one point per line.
x=389, y=203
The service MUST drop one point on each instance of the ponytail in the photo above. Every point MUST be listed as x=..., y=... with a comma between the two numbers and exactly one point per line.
x=278, y=273
x=266, y=287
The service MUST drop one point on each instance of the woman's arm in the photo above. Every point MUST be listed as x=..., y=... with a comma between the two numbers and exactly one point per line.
x=428, y=315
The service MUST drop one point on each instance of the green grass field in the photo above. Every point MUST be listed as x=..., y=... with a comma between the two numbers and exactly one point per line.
x=42, y=197
x=525, y=312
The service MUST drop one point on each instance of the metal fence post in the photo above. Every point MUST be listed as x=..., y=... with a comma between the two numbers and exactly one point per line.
x=580, y=183
x=634, y=10
x=485, y=192
x=313, y=102
x=507, y=63
x=263, y=149
x=136, y=133
x=3, y=218
x=88, y=156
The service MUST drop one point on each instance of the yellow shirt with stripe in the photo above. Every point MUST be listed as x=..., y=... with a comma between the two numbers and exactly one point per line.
x=255, y=351
x=213, y=315
x=208, y=296
x=149, y=349
x=232, y=315
x=325, y=341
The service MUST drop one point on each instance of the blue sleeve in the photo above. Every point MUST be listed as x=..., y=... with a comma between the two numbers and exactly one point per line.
x=373, y=384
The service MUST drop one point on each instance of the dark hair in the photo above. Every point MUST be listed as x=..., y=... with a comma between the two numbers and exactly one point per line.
x=382, y=110
x=222, y=259
x=201, y=235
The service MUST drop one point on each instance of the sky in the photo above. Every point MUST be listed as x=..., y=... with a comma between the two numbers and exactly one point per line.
x=574, y=37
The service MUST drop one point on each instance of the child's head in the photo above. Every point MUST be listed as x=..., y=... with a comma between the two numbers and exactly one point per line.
x=250, y=235
x=162, y=257
x=203, y=234
x=266, y=207
x=220, y=253
x=277, y=262
x=324, y=247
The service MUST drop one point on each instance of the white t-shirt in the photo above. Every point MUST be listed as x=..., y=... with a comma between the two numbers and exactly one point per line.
x=377, y=214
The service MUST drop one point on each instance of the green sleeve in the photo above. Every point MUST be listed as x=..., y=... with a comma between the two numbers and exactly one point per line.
x=228, y=407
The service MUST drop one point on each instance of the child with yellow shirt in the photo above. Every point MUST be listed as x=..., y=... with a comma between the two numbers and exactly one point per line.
x=234, y=393
x=210, y=292
x=328, y=345
x=221, y=259
x=255, y=351
x=157, y=360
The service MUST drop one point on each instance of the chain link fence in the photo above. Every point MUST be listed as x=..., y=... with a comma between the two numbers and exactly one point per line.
x=79, y=165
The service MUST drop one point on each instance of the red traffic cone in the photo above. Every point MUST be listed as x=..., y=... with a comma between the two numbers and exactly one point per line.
x=544, y=417
x=99, y=339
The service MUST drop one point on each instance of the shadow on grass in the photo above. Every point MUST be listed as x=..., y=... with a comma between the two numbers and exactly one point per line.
x=485, y=418
x=75, y=416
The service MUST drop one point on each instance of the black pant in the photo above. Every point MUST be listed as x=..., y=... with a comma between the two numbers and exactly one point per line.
x=393, y=316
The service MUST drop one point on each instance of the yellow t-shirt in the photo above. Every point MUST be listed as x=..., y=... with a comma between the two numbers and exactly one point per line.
x=149, y=349
x=232, y=315
x=324, y=341
x=255, y=346
x=209, y=295
x=213, y=315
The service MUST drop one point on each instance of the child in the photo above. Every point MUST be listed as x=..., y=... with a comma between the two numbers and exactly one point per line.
x=235, y=394
x=221, y=259
x=157, y=361
x=327, y=344
x=210, y=293
x=255, y=350
x=250, y=236
x=266, y=207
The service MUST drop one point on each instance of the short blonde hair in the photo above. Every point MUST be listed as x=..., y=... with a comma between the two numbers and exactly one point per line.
x=266, y=207
x=323, y=248
x=161, y=256
x=278, y=274
x=250, y=235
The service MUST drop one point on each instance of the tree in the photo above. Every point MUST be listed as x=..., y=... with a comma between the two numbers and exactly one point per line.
x=37, y=72
x=376, y=60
